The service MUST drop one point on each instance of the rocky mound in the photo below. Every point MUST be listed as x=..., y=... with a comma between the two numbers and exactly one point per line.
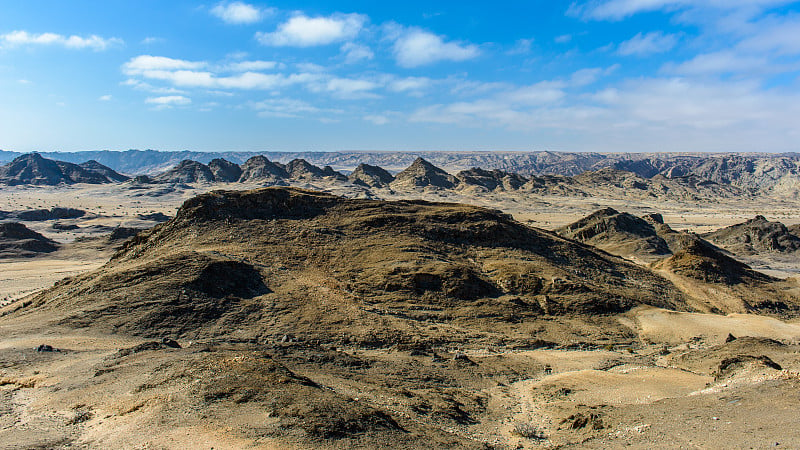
x=34, y=169
x=16, y=240
x=702, y=261
x=491, y=179
x=370, y=176
x=259, y=168
x=55, y=213
x=619, y=233
x=279, y=260
x=109, y=173
x=754, y=236
x=224, y=170
x=300, y=169
x=421, y=173
x=187, y=171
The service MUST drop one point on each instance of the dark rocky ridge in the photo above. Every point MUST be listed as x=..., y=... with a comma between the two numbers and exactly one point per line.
x=756, y=235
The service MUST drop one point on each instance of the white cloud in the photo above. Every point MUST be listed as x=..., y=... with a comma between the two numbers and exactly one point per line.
x=348, y=88
x=105, y=98
x=143, y=63
x=410, y=84
x=94, y=42
x=377, y=119
x=535, y=94
x=718, y=63
x=289, y=108
x=168, y=100
x=648, y=44
x=150, y=40
x=304, y=31
x=239, y=13
x=245, y=66
x=354, y=53
x=779, y=35
x=24, y=81
x=621, y=9
x=521, y=47
x=563, y=39
x=416, y=48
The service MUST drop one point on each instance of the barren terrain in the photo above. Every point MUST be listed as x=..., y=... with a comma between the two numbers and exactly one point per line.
x=332, y=323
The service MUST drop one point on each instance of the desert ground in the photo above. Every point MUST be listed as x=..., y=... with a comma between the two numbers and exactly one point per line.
x=643, y=377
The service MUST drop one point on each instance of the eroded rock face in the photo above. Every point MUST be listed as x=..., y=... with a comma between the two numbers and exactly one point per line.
x=756, y=235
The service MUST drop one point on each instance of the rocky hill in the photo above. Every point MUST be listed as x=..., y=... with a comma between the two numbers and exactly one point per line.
x=324, y=267
x=421, y=173
x=224, y=170
x=16, y=241
x=370, y=176
x=109, y=173
x=34, y=169
x=754, y=236
x=186, y=172
x=259, y=168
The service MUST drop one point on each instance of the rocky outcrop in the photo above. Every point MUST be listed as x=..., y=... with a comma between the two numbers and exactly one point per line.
x=34, y=169
x=421, y=173
x=224, y=170
x=754, y=236
x=370, y=176
x=261, y=169
x=16, y=240
x=186, y=172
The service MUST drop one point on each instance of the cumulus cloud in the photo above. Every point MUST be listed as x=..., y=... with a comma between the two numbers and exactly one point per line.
x=245, y=66
x=168, y=100
x=647, y=44
x=304, y=31
x=416, y=47
x=239, y=13
x=22, y=38
x=354, y=53
x=718, y=63
x=290, y=108
x=143, y=63
x=105, y=98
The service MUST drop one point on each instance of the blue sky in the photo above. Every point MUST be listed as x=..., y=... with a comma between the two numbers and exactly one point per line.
x=586, y=75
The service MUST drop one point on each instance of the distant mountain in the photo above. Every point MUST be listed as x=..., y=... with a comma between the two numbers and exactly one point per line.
x=755, y=172
x=34, y=169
